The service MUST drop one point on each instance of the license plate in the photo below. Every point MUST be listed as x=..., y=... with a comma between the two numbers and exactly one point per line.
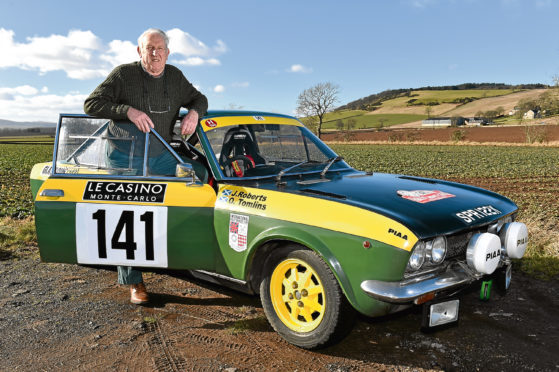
x=439, y=313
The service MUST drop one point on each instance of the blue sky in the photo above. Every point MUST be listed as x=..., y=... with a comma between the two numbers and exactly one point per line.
x=262, y=54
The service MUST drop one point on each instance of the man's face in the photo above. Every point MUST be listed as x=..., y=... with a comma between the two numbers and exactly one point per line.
x=153, y=53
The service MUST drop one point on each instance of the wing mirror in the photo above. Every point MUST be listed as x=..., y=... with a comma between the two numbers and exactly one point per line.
x=185, y=170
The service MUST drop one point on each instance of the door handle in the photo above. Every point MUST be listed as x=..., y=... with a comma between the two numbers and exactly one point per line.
x=52, y=192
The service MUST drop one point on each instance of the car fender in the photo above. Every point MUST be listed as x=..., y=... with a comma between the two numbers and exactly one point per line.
x=289, y=234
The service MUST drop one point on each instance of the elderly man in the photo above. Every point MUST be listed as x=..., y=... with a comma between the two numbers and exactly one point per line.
x=150, y=94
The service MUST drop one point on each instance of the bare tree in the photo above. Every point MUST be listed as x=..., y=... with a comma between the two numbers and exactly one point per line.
x=339, y=124
x=428, y=111
x=382, y=121
x=317, y=101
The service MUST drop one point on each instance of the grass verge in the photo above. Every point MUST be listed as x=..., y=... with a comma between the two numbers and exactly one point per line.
x=18, y=238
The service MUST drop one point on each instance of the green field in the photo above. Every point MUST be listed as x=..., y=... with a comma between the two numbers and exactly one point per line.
x=426, y=97
x=362, y=121
x=38, y=140
x=447, y=161
x=527, y=175
x=16, y=161
x=343, y=114
x=374, y=121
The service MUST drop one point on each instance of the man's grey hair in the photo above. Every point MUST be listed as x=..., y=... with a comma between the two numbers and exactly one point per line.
x=153, y=31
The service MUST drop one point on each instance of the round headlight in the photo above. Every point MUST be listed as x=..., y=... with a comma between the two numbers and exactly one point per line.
x=417, y=257
x=436, y=249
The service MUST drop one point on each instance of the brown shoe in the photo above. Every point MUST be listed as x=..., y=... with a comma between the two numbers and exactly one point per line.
x=138, y=294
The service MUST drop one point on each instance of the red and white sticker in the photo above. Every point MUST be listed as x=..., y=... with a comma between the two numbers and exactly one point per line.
x=211, y=123
x=238, y=231
x=424, y=196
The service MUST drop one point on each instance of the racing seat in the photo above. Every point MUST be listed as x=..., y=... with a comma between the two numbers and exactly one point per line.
x=239, y=152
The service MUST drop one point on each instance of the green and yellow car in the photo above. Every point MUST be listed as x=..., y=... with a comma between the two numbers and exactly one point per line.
x=256, y=200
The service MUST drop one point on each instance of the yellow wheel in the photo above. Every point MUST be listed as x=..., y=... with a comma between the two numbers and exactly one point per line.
x=297, y=295
x=302, y=299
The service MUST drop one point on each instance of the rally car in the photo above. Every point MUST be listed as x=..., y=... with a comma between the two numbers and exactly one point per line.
x=257, y=200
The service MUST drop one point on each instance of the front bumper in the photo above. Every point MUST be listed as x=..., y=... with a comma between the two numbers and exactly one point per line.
x=455, y=276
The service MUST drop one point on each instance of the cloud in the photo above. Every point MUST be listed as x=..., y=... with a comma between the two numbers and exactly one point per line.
x=300, y=69
x=120, y=52
x=196, y=52
x=27, y=103
x=72, y=53
x=83, y=55
x=196, y=61
x=182, y=42
x=219, y=88
x=23, y=90
x=242, y=84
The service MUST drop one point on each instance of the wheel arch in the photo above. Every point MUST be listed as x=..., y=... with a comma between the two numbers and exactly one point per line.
x=278, y=237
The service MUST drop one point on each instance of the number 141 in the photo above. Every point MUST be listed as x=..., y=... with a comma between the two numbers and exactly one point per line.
x=125, y=224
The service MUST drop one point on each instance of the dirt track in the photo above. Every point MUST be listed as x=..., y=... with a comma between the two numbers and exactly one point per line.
x=65, y=317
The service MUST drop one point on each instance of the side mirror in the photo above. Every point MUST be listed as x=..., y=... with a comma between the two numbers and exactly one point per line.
x=185, y=170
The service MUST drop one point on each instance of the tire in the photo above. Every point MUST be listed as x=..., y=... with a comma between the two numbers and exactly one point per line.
x=302, y=299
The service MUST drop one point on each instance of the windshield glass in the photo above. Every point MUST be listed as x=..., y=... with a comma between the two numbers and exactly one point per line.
x=104, y=147
x=255, y=150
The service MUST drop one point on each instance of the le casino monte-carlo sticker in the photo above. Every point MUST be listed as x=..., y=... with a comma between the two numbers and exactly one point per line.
x=125, y=191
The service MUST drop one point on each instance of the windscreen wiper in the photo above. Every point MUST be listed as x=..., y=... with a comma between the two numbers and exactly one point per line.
x=330, y=163
x=284, y=171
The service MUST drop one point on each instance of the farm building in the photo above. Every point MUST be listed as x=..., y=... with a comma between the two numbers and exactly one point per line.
x=531, y=114
x=477, y=121
x=443, y=122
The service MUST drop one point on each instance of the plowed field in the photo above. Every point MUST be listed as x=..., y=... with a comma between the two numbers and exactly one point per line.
x=486, y=134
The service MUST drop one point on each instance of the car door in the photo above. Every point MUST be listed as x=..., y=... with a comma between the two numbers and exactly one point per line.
x=95, y=210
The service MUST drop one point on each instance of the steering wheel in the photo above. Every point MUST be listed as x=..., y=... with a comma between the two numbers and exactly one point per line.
x=238, y=165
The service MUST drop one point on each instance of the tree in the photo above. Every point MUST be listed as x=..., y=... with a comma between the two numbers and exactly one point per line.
x=549, y=100
x=382, y=121
x=500, y=111
x=317, y=101
x=490, y=115
x=350, y=124
x=428, y=111
x=339, y=124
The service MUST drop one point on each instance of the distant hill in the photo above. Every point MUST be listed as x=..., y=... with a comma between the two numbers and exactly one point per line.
x=406, y=108
x=25, y=124
x=374, y=101
x=26, y=128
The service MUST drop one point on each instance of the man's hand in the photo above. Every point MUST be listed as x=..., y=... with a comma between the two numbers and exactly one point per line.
x=140, y=119
x=189, y=122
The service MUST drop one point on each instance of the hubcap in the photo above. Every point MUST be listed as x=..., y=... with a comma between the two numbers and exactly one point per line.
x=297, y=295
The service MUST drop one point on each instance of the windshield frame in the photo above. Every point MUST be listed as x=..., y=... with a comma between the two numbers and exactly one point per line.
x=53, y=171
x=307, y=136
